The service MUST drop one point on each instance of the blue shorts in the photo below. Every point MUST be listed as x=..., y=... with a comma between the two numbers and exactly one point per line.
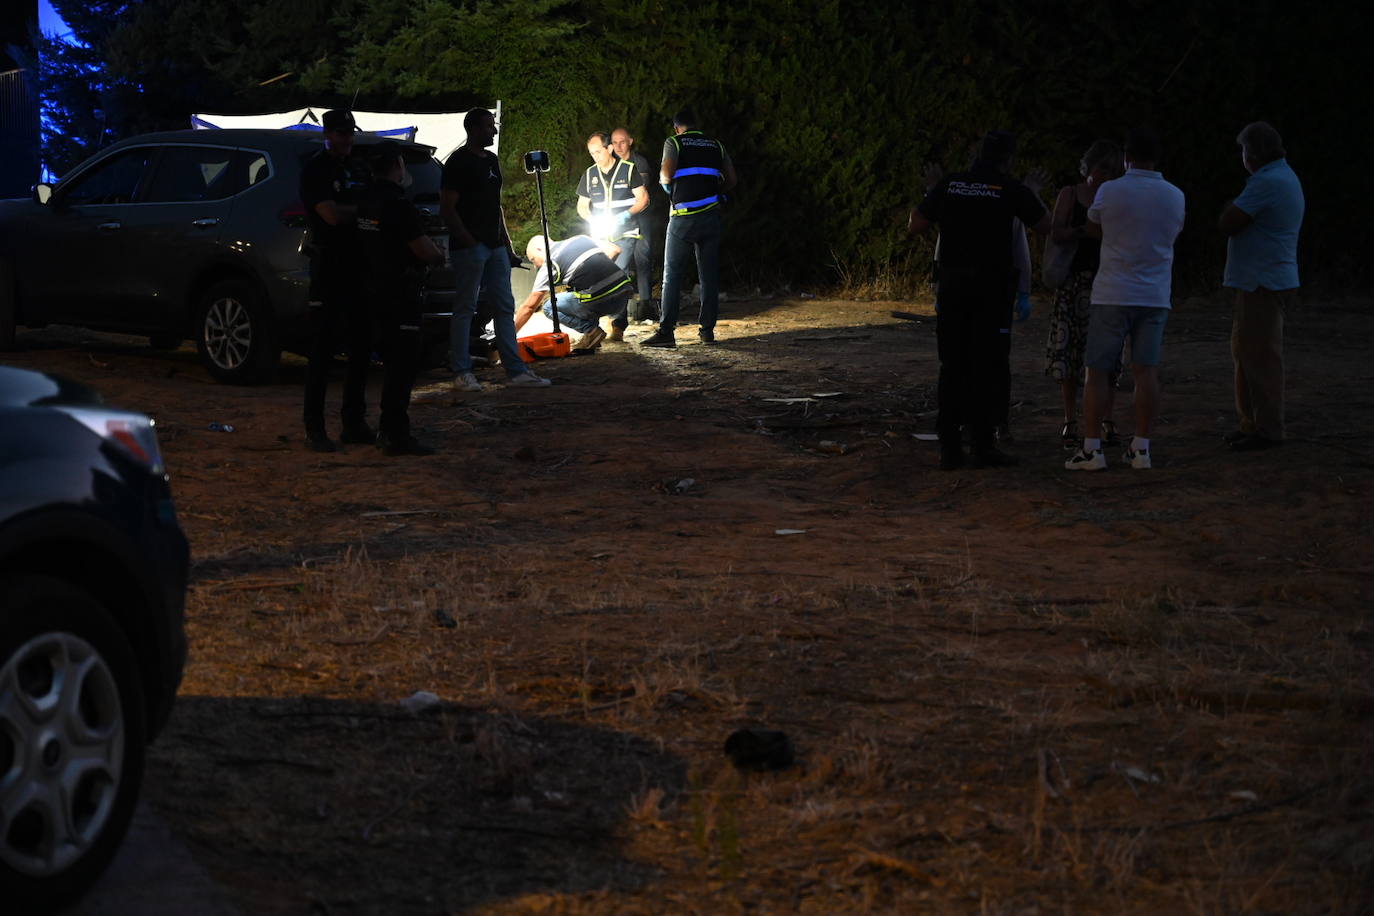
x=1110, y=325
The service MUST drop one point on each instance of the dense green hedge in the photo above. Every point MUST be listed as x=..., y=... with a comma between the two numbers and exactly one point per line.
x=829, y=109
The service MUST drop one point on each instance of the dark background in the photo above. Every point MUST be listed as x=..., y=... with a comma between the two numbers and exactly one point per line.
x=829, y=109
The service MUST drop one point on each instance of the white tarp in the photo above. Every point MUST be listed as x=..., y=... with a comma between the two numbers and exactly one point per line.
x=443, y=131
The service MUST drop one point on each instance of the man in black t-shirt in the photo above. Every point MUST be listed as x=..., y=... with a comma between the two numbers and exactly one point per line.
x=624, y=145
x=976, y=288
x=398, y=253
x=332, y=183
x=470, y=203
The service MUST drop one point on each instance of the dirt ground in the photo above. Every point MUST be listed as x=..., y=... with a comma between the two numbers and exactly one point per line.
x=1012, y=691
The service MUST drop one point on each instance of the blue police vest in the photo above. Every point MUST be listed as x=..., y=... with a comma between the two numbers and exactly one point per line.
x=699, y=173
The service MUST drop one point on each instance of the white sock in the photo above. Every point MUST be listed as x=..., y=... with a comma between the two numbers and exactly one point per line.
x=1140, y=445
x=1091, y=445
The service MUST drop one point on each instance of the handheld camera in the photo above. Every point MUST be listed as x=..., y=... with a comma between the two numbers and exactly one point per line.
x=536, y=161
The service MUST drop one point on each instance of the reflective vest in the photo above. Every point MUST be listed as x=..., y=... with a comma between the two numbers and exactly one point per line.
x=621, y=197
x=698, y=174
x=584, y=268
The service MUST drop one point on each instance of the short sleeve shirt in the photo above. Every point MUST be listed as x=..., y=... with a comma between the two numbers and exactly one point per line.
x=645, y=169
x=477, y=181
x=974, y=211
x=1265, y=253
x=1141, y=215
x=343, y=181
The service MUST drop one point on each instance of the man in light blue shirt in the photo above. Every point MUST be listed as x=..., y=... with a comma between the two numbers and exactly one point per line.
x=1262, y=267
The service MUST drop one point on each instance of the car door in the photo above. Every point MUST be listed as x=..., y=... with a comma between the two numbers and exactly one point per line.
x=175, y=230
x=73, y=256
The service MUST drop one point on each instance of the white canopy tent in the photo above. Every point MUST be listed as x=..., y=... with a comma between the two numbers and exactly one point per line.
x=443, y=131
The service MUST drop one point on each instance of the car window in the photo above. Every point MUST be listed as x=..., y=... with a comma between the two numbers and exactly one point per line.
x=187, y=174
x=114, y=181
x=256, y=165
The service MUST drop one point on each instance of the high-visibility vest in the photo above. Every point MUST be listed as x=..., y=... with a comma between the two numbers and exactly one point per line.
x=621, y=196
x=584, y=268
x=698, y=173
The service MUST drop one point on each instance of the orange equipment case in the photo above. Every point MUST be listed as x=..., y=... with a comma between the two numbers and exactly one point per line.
x=544, y=346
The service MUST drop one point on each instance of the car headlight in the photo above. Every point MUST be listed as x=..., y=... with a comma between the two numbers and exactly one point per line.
x=133, y=433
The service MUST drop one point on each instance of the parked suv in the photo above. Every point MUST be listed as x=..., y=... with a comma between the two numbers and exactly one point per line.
x=194, y=234
x=92, y=590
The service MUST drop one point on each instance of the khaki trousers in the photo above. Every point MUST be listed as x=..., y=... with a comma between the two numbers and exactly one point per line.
x=1257, y=349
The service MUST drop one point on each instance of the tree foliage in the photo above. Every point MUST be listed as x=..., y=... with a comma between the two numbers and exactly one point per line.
x=828, y=108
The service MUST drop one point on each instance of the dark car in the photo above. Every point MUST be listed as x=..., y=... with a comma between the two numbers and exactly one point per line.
x=92, y=646
x=195, y=234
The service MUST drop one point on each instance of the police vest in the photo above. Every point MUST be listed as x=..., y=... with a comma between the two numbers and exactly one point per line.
x=621, y=197
x=698, y=175
x=584, y=268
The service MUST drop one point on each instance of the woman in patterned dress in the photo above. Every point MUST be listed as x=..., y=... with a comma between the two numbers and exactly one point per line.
x=1069, y=320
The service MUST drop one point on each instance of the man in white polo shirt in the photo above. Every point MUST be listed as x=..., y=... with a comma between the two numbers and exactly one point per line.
x=1262, y=267
x=1138, y=217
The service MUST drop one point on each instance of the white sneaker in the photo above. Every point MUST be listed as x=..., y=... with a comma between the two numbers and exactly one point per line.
x=1139, y=460
x=466, y=381
x=527, y=380
x=1082, y=461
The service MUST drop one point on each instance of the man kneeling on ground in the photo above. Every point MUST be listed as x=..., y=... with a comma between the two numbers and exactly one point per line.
x=596, y=287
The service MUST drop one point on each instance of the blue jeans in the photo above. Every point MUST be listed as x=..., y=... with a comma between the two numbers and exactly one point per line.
x=699, y=233
x=475, y=269
x=582, y=316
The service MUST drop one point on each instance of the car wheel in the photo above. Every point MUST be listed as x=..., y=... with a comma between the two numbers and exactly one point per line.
x=72, y=741
x=9, y=306
x=235, y=337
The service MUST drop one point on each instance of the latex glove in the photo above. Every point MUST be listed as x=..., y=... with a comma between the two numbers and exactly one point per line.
x=667, y=188
x=1023, y=306
x=622, y=217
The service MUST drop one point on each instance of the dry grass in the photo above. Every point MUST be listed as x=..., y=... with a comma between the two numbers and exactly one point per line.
x=952, y=769
x=1009, y=692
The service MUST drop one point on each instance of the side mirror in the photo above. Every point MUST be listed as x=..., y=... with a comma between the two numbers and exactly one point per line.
x=42, y=193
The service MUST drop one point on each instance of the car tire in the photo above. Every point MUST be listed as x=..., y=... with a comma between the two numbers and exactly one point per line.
x=72, y=741
x=235, y=335
x=9, y=306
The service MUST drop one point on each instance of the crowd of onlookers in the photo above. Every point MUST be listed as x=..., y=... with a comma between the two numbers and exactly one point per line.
x=1109, y=257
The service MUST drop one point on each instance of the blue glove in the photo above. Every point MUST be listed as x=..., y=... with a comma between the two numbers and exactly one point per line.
x=622, y=217
x=1023, y=306
x=667, y=188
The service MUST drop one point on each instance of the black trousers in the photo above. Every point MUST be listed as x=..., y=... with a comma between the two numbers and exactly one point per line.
x=399, y=334
x=339, y=321
x=973, y=336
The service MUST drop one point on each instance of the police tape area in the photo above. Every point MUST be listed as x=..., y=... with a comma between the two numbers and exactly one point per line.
x=377, y=258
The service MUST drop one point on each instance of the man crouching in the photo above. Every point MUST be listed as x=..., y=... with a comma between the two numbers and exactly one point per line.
x=596, y=287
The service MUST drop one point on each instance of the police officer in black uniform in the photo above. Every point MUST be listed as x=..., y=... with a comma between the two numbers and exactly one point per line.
x=696, y=172
x=398, y=254
x=976, y=284
x=332, y=183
